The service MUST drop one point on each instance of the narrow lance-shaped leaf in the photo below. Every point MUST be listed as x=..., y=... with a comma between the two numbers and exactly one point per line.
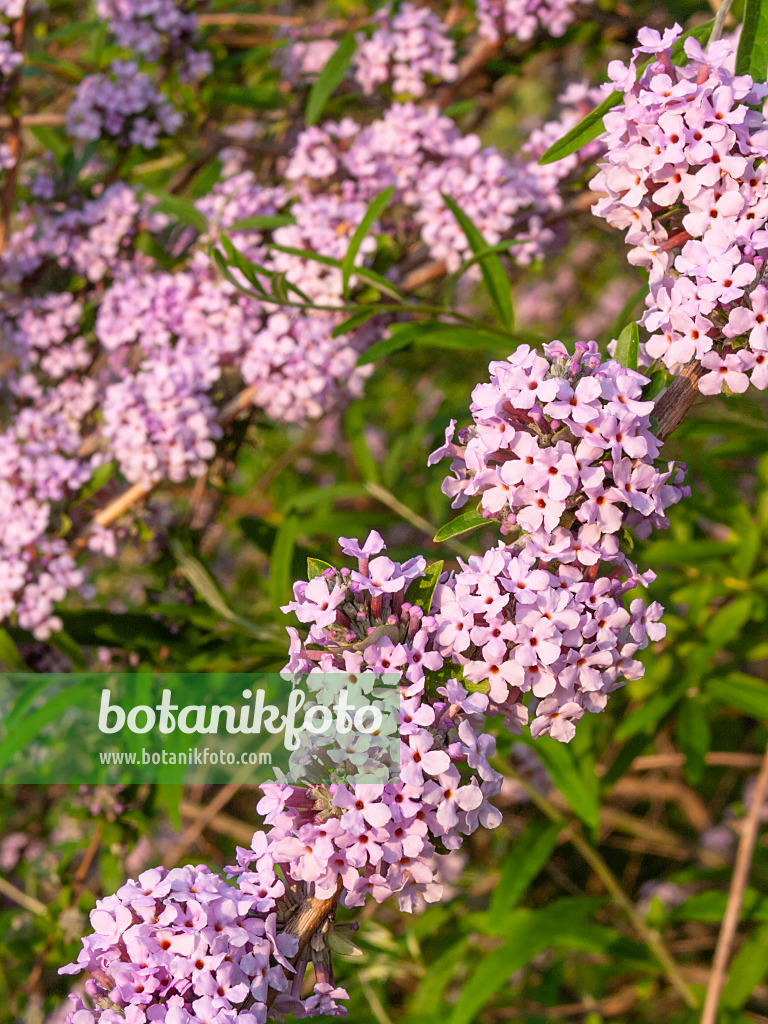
x=400, y=337
x=493, y=272
x=752, y=54
x=628, y=346
x=592, y=125
x=330, y=77
x=461, y=524
x=467, y=339
x=371, y=215
x=422, y=590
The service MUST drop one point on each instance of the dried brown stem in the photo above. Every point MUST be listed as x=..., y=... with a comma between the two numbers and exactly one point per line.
x=736, y=896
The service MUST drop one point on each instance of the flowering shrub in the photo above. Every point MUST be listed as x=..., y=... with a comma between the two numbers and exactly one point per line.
x=252, y=264
x=683, y=174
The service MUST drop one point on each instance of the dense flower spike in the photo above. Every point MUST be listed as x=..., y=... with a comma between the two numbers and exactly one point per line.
x=184, y=945
x=684, y=174
x=562, y=453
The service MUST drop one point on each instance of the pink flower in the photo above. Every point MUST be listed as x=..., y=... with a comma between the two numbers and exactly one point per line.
x=728, y=370
x=556, y=719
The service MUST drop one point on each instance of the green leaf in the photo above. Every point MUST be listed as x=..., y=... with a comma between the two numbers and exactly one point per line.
x=592, y=125
x=263, y=222
x=362, y=316
x=738, y=690
x=355, y=425
x=747, y=969
x=574, y=777
x=50, y=139
x=752, y=54
x=9, y=653
x=307, y=254
x=377, y=206
x=529, y=933
x=709, y=907
x=207, y=587
x=465, y=339
x=628, y=346
x=656, y=384
x=280, y=561
x=495, y=277
x=330, y=77
x=316, y=567
x=180, y=209
x=101, y=475
x=30, y=726
x=521, y=866
x=461, y=524
x=582, y=133
x=400, y=337
x=428, y=992
x=693, y=737
x=422, y=590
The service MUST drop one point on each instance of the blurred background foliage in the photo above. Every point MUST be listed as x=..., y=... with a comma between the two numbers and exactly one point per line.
x=655, y=786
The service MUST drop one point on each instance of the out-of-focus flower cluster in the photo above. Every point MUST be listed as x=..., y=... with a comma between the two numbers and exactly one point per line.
x=522, y=19
x=139, y=364
x=685, y=175
x=10, y=59
x=184, y=945
x=10, y=62
x=124, y=104
x=408, y=47
x=423, y=155
x=156, y=30
x=166, y=348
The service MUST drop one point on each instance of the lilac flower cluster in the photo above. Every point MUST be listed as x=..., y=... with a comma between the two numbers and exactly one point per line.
x=47, y=454
x=522, y=19
x=685, y=175
x=163, y=346
x=10, y=60
x=381, y=839
x=423, y=155
x=152, y=355
x=536, y=632
x=304, y=59
x=511, y=633
x=156, y=30
x=408, y=47
x=560, y=440
x=184, y=945
x=123, y=104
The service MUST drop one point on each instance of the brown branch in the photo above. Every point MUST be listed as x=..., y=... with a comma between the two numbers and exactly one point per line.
x=42, y=120
x=233, y=19
x=8, y=196
x=716, y=758
x=736, y=895
x=206, y=814
x=674, y=403
x=310, y=916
